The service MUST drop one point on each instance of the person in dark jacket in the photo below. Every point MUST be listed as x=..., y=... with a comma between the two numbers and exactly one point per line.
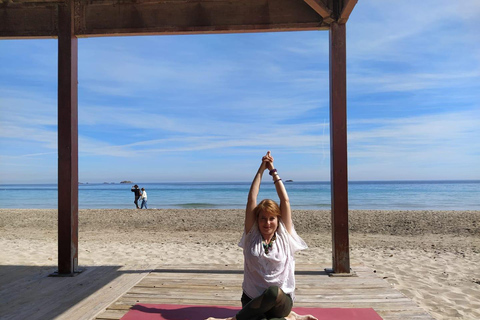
x=137, y=194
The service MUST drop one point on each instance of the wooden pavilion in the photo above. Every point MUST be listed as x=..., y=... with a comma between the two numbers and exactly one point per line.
x=68, y=20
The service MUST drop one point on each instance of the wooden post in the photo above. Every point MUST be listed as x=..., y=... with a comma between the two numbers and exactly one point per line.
x=67, y=141
x=338, y=148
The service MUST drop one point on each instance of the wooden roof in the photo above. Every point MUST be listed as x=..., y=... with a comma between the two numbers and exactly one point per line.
x=92, y=18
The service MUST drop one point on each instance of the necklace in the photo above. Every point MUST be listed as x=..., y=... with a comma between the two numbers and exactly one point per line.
x=268, y=246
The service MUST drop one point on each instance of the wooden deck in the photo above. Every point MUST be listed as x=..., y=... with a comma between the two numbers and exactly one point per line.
x=27, y=292
x=222, y=285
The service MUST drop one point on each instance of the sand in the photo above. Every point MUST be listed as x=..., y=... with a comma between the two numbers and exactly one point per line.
x=432, y=257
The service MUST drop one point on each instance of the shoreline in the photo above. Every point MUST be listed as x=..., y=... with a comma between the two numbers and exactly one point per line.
x=434, y=195
x=432, y=257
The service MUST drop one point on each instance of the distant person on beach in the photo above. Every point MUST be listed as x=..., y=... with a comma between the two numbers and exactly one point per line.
x=269, y=242
x=144, y=199
x=137, y=194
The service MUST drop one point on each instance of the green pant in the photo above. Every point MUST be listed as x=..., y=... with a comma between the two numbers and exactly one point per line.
x=272, y=304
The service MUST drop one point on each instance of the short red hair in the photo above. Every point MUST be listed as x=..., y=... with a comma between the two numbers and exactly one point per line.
x=267, y=206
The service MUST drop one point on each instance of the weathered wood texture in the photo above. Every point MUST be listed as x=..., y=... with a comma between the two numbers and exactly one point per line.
x=347, y=9
x=322, y=9
x=222, y=285
x=67, y=142
x=27, y=19
x=338, y=148
x=27, y=292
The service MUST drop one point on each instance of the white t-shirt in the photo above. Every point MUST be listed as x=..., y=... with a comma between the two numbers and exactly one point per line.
x=277, y=268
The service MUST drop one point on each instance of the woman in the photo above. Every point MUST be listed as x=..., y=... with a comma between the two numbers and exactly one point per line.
x=144, y=198
x=269, y=243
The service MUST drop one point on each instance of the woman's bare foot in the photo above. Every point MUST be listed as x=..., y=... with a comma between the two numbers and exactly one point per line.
x=295, y=316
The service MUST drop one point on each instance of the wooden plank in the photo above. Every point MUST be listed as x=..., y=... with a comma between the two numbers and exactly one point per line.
x=111, y=315
x=193, y=286
x=186, y=17
x=390, y=309
x=141, y=17
x=198, y=276
x=21, y=20
x=180, y=300
x=347, y=9
x=322, y=9
x=316, y=284
x=118, y=306
x=38, y=296
x=232, y=294
x=98, y=301
x=13, y=276
x=226, y=293
x=380, y=304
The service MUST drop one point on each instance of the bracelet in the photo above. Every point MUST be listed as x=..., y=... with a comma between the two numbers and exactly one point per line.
x=277, y=181
x=271, y=172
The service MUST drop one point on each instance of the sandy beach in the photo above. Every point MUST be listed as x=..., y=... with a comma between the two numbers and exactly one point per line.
x=432, y=257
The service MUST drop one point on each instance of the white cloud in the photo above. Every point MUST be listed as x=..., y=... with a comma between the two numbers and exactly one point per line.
x=415, y=33
x=417, y=145
x=217, y=96
x=291, y=137
x=126, y=74
x=371, y=82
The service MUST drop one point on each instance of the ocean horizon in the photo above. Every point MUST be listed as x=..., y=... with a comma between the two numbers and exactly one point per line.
x=304, y=195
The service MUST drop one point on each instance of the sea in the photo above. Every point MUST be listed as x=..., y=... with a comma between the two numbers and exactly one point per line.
x=369, y=195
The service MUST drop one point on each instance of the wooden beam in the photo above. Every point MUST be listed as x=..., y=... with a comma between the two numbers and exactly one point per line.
x=347, y=9
x=321, y=9
x=142, y=17
x=28, y=20
x=67, y=141
x=187, y=17
x=338, y=148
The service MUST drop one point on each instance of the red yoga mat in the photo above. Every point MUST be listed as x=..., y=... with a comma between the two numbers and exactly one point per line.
x=191, y=312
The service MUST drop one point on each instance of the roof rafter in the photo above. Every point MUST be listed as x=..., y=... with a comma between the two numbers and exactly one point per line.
x=321, y=9
x=348, y=6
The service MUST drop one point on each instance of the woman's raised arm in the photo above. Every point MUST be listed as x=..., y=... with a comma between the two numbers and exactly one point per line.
x=252, y=196
x=282, y=194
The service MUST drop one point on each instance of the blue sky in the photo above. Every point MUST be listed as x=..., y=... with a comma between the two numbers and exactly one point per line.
x=207, y=107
